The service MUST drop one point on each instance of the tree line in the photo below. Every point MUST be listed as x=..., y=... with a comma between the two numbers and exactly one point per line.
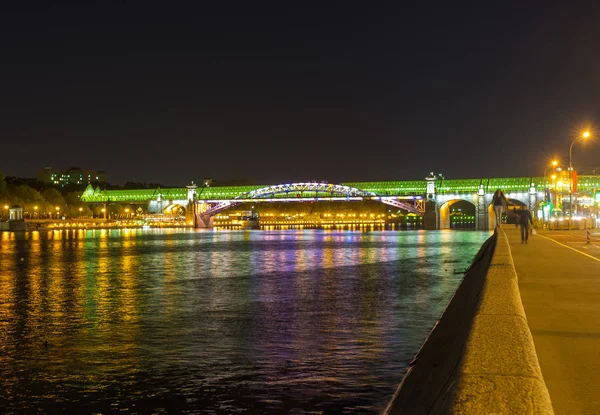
x=40, y=204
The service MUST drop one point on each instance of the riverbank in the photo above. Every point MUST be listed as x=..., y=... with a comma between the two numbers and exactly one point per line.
x=480, y=356
x=85, y=224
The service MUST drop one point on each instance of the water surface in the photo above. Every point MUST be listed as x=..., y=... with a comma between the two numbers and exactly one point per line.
x=301, y=321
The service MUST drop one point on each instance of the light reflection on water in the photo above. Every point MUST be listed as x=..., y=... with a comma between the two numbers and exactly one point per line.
x=239, y=321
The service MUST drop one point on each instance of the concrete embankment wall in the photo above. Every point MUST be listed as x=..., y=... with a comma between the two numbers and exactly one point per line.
x=480, y=357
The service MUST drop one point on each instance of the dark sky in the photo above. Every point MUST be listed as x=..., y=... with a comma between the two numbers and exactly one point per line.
x=167, y=93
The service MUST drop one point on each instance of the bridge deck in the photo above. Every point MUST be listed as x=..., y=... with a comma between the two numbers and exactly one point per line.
x=384, y=188
x=560, y=288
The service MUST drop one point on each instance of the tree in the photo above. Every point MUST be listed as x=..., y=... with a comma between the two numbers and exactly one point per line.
x=28, y=198
x=53, y=200
x=2, y=183
x=73, y=201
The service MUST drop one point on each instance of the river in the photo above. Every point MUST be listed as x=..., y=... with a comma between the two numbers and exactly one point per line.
x=184, y=321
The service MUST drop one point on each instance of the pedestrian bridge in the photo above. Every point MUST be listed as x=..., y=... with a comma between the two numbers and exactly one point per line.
x=431, y=197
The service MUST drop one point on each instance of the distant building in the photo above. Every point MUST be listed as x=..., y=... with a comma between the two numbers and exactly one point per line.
x=73, y=175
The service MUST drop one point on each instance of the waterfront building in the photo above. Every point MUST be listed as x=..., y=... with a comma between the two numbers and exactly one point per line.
x=15, y=221
x=73, y=175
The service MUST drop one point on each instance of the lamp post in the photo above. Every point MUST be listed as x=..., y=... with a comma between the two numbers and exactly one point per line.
x=585, y=135
x=553, y=164
x=57, y=212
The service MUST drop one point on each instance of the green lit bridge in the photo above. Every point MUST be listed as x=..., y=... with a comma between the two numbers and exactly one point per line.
x=431, y=197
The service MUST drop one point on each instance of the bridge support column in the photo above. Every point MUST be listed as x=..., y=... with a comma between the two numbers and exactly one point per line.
x=192, y=210
x=191, y=214
x=532, y=199
x=430, y=217
x=481, y=211
x=204, y=221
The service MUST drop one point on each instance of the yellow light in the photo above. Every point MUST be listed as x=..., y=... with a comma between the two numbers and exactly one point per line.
x=35, y=208
x=554, y=163
x=586, y=134
x=81, y=209
x=553, y=176
x=5, y=206
x=57, y=208
x=103, y=210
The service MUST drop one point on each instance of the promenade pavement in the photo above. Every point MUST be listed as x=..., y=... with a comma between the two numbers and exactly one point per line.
x=559, y=281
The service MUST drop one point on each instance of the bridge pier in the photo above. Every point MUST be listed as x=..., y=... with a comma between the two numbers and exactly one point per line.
x=482, y=219
x=204, y=221
x=430, y=217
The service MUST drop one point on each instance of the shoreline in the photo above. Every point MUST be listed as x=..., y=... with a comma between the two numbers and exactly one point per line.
x=480, y=356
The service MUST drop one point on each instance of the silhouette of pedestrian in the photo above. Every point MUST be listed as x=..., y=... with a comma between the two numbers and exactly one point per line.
x=499, y=202
x=524, y=220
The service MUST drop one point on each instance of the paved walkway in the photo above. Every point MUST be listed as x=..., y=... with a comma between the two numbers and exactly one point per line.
x=560, y=288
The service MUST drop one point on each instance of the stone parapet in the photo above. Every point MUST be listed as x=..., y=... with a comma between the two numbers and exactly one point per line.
x=480, y=357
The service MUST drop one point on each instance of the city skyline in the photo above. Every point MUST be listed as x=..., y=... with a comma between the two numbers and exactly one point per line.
x=168, y=95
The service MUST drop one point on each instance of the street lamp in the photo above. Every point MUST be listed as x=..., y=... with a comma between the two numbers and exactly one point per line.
x=585, y=135
x=553, y=164
x=57, y=211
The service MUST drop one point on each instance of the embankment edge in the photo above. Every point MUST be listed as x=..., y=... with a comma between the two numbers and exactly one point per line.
x=480, y=356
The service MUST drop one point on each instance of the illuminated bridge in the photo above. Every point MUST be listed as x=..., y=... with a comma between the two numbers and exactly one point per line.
x=431, y=197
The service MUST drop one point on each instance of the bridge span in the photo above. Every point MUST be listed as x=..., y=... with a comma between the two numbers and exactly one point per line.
x=432, y=198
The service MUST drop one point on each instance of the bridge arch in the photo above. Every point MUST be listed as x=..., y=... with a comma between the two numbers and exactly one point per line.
x=175, y=209
x=303, y=192
x=445, y=211
x=514, y=204
x=311, y=187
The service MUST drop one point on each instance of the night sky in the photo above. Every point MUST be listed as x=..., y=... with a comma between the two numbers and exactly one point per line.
x=166, y=93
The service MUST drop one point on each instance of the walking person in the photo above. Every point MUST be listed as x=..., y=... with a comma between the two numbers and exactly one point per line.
x=525, y=219
x=499, y=202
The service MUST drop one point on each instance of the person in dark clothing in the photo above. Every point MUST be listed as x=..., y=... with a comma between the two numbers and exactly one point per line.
x=500, y=204
x=524, y=220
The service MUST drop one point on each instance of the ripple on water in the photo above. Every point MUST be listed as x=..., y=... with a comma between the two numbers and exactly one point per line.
x=219, y=322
